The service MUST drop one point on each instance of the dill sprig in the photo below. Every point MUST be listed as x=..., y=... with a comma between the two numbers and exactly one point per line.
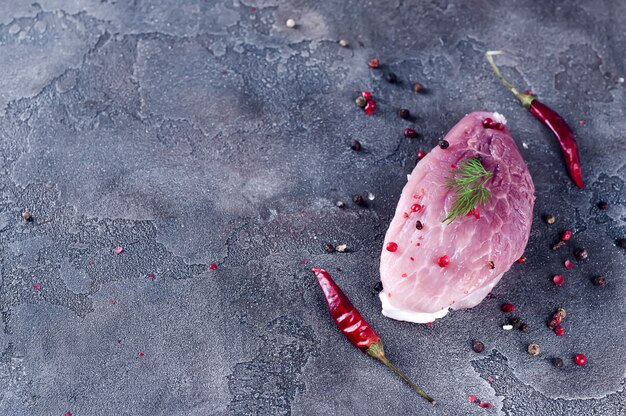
x=468, y=184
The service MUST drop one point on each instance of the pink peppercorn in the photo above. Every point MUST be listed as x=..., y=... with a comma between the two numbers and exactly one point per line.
x=507, y=307
x=367, y=95
x=443, y=261
x=420, y=155
x=558, y=279
x=370, y=107
x=580, y=359
x=567, y=234
x=559, y=330
x=392, y=247
x=568, y=265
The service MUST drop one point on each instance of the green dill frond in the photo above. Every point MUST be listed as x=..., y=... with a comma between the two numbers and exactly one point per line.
x=468, y=184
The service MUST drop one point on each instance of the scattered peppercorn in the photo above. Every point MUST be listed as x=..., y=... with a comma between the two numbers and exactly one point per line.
x=329, y=248
x=340, y=204
x=561, y=313
x=373, y=63
x=420, y=155
x=404, y=113
x=603, y=205
x=410, y=133
x=550, y=219
x=559, y=330
x=599, y=281
x=370, y=107
x=507, y=307
x=290, y=23
x=567, y=234
x=26, y=216
x=341, y=248
x=557, y=362
x=419, y=225
x=580, y=359
x=558, y=279
x=356, y=145
x=525, y=328
x=360, y=101
x=443, y=144
x=558, y=245
x=343, y=43
x=443, y=261
x=581, y=254
x=392, y=78
x=522, y=259
x=478, y=346
x=487, y=122
x=358, y=199
x=534, y=349
x=367, y=95
x=491, y=264
x=622, y=243
x=417, y=87
x=516, y=322
x=378, y=286
x=568, y=264
x=392, y=247
x=554, y=322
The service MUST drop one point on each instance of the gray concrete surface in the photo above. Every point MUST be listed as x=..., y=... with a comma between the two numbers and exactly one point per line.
x=192, y=132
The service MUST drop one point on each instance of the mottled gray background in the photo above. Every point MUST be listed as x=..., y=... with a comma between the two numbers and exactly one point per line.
x=193, y=132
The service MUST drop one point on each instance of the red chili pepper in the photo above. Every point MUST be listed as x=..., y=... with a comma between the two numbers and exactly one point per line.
x=354, y=327
x=551, y=119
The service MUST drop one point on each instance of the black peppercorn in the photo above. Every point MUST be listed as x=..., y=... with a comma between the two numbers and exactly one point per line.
x=599, y=281
x=356, y=145
x=329, y=248
x=557, y=362
x=358, y=199
x=444, y=144
x=581, y=254
x=516, y=322
x=621, y=243
x=392, y=78
x=419, y=225
x=603, y=205
x=404, y=113
x=378, y=286
x=525, y=328
x=26, y=216
x=478, y=346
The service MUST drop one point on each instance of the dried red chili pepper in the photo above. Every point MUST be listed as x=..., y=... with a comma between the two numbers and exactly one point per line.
x=551, y=119
x=354, y=327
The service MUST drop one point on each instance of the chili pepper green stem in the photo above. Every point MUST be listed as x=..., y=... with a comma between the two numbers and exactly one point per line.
x=525, y=99
x=376, y=350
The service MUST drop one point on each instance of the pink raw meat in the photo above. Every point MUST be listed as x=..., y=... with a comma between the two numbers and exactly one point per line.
x=416, y=288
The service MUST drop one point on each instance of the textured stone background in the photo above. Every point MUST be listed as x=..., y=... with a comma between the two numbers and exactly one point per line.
x=194, y=132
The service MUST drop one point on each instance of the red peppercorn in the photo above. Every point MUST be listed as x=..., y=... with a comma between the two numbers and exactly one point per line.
x=416, y=207
x=558, y=279
x=392, y=247
x=559, y=330
x=567, y=234
x=213, y=266
x=522, y=259
x=487, y=122
x=370, y=107
x=420, y=155
x=410, y=133
x=367, y=95
x=498, y=126
x=443, y=261
x=374, y=63
x=507, y=307
x=471, y=398
x=568, y=265
x=580, y=359
x=485, y=405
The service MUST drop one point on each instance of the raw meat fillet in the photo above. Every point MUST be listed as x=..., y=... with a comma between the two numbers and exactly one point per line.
x=481, y=246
